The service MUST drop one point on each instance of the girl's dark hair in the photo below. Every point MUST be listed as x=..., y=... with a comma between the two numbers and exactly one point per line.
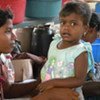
x=79, y=8
x=95, y=21
x=4, y=15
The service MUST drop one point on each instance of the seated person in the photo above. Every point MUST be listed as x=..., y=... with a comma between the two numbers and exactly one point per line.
x=7, y=42
x=92, y=88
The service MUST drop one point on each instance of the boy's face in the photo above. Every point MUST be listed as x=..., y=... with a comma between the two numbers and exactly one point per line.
x=7, y=38
x=72, y=28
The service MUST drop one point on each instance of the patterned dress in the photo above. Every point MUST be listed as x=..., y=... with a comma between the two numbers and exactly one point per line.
x=60, y=63
x=6, y=67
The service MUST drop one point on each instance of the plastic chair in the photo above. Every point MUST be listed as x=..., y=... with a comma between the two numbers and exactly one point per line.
x=97, y=7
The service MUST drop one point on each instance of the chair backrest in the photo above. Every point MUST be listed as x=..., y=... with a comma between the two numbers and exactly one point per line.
x=97, y=7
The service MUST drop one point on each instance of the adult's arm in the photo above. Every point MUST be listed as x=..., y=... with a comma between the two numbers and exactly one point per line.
x=20, y=89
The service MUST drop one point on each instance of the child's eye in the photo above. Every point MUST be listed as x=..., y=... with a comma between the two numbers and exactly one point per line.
x=8, y=31
x=73, y=23
x=62, y=22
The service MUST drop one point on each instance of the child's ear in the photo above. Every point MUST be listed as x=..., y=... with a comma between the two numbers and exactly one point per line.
x=86, y=27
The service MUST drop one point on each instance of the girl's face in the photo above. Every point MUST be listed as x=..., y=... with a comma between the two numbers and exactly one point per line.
x=72, y=28
x=7, y=38
x=91, y=35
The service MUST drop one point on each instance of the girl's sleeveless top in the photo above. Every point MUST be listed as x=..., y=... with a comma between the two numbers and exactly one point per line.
x=60, y=63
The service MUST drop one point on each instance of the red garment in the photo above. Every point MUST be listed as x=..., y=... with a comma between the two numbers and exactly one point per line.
x=1, y=92
x=6, y=71
x=6, y=68
x=65, y=1
x=2, y=76
x=2, y=80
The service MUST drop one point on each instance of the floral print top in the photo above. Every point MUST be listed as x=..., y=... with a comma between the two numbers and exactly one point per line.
x=60, y=63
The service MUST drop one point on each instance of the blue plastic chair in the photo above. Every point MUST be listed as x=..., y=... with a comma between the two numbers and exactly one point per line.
x=97, y=7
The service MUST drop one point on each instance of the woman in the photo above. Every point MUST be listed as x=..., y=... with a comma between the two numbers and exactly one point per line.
x=7, y=42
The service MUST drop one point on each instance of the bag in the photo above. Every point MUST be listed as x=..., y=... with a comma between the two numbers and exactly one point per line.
x=23, y=69
x=41, y=39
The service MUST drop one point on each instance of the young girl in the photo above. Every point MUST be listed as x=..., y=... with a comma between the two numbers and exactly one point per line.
x=91, y=89
x=68, y=63
x=94, y=28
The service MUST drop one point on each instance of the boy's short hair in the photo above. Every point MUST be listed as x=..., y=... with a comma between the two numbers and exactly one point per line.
x=4, y=15
x=80, y=8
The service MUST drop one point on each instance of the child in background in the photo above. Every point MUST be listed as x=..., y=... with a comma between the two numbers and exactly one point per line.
x=91, y=35
x=91, y=88
x=93, y=30
x=67, y=64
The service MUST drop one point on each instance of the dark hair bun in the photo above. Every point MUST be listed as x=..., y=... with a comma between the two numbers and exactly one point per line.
x=95, y=21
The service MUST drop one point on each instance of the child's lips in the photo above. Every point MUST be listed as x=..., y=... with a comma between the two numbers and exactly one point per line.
x=65, y=34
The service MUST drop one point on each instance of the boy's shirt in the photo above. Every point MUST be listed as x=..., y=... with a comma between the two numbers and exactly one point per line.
x=6, y=68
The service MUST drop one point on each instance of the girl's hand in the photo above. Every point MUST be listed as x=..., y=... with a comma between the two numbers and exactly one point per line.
x=45, y=86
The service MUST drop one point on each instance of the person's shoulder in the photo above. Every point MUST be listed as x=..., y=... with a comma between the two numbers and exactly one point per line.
x=87, y=45
x=56, y=38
